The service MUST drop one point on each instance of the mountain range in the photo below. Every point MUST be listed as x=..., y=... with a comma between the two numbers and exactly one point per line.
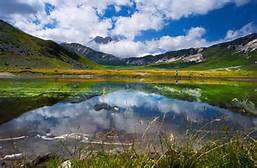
x=18, y=49
x=241, y=52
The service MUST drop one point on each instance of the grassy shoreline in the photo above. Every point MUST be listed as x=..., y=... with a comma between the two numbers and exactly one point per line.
x=139, y=73
x=237, y=152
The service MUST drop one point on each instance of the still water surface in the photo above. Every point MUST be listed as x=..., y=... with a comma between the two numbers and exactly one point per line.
x=37, y=114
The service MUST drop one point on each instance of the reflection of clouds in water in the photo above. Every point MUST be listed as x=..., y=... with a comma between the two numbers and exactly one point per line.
x=62, y=118
x=192, y=110
x=129, y=98
x=65, y=118
x=129, y=122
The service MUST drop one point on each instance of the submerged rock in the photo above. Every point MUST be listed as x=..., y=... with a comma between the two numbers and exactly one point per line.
x=104, y=106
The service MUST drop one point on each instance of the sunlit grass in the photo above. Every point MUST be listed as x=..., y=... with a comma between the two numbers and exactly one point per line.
x=161, y=150
x=237, y=152
x=138, y=72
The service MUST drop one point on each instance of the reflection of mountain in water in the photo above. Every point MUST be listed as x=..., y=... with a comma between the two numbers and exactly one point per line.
x=124, y=110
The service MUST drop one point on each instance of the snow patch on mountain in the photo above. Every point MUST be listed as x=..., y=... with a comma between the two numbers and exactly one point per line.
x=196, y=58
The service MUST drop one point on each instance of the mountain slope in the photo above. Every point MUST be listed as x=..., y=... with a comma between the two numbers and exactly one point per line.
x=98, y=57
x=239, y=53
x=18, y=49
x=108, y=59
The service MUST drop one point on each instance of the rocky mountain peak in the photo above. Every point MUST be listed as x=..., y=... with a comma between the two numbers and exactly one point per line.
x=102, y=40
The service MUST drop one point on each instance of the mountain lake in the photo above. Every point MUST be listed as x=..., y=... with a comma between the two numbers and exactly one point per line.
x=45, y=115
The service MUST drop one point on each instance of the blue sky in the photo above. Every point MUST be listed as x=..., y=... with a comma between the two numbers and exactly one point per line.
x=216, y=23
x=143, y=27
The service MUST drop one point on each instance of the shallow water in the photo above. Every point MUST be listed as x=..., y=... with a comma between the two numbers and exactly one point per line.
x=37, y=114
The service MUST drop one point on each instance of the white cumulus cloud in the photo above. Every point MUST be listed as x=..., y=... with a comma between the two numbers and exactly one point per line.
x=132, y=26
x=129, y=48
x=81, y=20
x=245, y=30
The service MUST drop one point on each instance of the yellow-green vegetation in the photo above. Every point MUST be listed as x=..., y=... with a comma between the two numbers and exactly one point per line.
x=138, y=72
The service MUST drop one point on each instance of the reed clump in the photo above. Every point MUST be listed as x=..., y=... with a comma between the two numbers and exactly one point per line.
x=160, y=150
x=235, y=153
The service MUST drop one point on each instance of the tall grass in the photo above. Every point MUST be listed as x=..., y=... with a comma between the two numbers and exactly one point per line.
x=160, y=150
x=237, y=152
x=166, y=150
